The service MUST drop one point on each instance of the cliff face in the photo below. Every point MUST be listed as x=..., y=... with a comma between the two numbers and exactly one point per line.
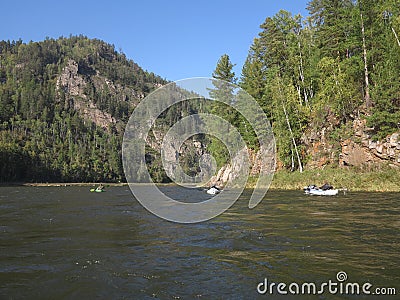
x=262, y=161
x=73, y=86
x=362, y=150
x=355, y=148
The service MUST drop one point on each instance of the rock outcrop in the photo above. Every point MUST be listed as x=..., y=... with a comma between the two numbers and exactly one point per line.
x=72, y=84
x=260, y=162
x=363, y=150
x=357, y=149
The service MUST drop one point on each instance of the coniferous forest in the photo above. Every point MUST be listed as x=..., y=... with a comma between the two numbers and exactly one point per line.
x=64, y=102
x=51, y=95
x=323, y=72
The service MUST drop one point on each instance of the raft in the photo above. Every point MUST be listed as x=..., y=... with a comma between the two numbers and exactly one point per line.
x=97, y=191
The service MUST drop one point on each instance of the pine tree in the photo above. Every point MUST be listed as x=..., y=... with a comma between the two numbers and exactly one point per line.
x=222, y=106
x=382, y=25
x=331, y=20
x=253, y=72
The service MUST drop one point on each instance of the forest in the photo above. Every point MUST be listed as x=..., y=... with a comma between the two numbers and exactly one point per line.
x=43, y=135
x=339, y=64
x=309, y=74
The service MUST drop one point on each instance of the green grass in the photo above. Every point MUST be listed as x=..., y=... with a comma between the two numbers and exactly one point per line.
x=378, y=180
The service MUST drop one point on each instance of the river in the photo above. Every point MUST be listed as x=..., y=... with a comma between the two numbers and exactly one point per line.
x=68, y=243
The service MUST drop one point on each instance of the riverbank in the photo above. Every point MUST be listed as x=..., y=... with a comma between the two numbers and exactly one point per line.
x=62, y=184
x=377, y=180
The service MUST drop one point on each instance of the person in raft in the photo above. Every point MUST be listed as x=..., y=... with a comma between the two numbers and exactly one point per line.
x=326, y=187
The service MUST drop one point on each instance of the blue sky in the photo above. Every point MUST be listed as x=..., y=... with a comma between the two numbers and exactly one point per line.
x=174, y=39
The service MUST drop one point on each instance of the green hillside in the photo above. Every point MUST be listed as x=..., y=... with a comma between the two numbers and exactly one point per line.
x=63, y=107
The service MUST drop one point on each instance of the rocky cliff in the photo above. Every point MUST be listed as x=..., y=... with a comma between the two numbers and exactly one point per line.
x=73, y=86
x=76, y=86
x=362, y=150
x=262, y=161
x=356, y=147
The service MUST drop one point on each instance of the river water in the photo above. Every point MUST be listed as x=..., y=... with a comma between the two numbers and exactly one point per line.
x=68, y=243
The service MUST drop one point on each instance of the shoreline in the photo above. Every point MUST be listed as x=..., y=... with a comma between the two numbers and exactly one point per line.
x=60, y=184
x=273, y=187
x=378, y=180
x=373, y=180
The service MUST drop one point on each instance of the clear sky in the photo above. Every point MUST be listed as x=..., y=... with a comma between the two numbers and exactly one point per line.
x=175, y=39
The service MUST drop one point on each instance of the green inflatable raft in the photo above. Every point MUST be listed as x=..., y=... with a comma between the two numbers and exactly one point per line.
x=97, y=190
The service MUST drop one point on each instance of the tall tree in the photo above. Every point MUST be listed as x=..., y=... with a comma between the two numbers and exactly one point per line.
x=224, y=69
x=223, y=90
x=382, y=21
x=224, y=96
x=287, y=90
x=331, y=20
x=366, y=73
x=288, y=119
x=254, y=72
